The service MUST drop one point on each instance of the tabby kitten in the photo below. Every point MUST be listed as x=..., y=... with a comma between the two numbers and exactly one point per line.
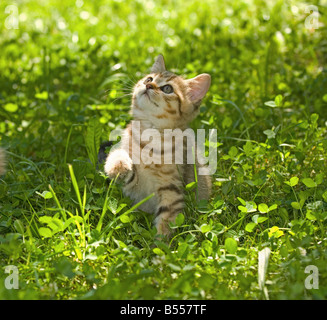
x=161, y=100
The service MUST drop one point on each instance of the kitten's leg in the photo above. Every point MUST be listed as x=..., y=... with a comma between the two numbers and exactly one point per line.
x=171, y=203
x=203, y=190
x=204, y=187
x=118, y=161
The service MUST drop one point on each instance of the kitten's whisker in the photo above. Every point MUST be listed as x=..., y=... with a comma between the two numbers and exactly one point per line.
x=128, y=82
x=121, y=97
x=117, y=90
x=132, y=79
x=105, y=94
x=106, y=97
x=107, y=91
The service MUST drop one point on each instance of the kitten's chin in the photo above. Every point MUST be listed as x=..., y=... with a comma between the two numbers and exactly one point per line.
x=144, y=100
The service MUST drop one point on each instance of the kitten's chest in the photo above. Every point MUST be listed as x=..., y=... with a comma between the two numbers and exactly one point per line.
x=154, y=150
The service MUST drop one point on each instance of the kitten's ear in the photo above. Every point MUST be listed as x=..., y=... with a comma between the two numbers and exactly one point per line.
x=159, y=65
x=198, y=87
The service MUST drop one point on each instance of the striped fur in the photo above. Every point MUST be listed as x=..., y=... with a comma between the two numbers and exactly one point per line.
x=155, y=109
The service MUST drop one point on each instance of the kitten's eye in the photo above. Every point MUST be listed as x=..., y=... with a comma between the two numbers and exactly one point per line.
x=149, y=79
x=167, y=89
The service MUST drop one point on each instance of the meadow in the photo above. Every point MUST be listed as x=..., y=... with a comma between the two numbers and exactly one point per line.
x=66, y=71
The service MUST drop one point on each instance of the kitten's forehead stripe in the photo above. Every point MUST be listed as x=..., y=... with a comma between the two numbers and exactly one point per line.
x=165, y=76
x=171, y=78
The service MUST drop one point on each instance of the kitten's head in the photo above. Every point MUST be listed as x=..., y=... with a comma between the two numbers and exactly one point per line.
x=167, y=100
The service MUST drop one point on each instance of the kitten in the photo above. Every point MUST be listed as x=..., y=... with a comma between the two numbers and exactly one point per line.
x=161, y=100
x=2, y=162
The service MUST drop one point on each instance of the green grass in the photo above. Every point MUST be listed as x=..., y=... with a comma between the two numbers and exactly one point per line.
x=64, y=74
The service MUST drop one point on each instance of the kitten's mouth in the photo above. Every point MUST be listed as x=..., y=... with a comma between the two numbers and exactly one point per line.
x=146, y=93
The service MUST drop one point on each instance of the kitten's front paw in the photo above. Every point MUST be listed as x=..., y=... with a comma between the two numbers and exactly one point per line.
x=163, y=230
x=162, y=224
x=118, y=162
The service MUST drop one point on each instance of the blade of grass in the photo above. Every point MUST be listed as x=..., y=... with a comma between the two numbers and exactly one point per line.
x=62, y=211
x=128, y=211
x=75, y=185
x=139, y=203
x=104, y=209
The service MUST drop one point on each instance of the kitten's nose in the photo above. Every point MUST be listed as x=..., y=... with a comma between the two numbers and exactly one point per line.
x=149, y=86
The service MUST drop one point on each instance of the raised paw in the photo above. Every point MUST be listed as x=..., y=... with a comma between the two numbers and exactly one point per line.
x=118, y=162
